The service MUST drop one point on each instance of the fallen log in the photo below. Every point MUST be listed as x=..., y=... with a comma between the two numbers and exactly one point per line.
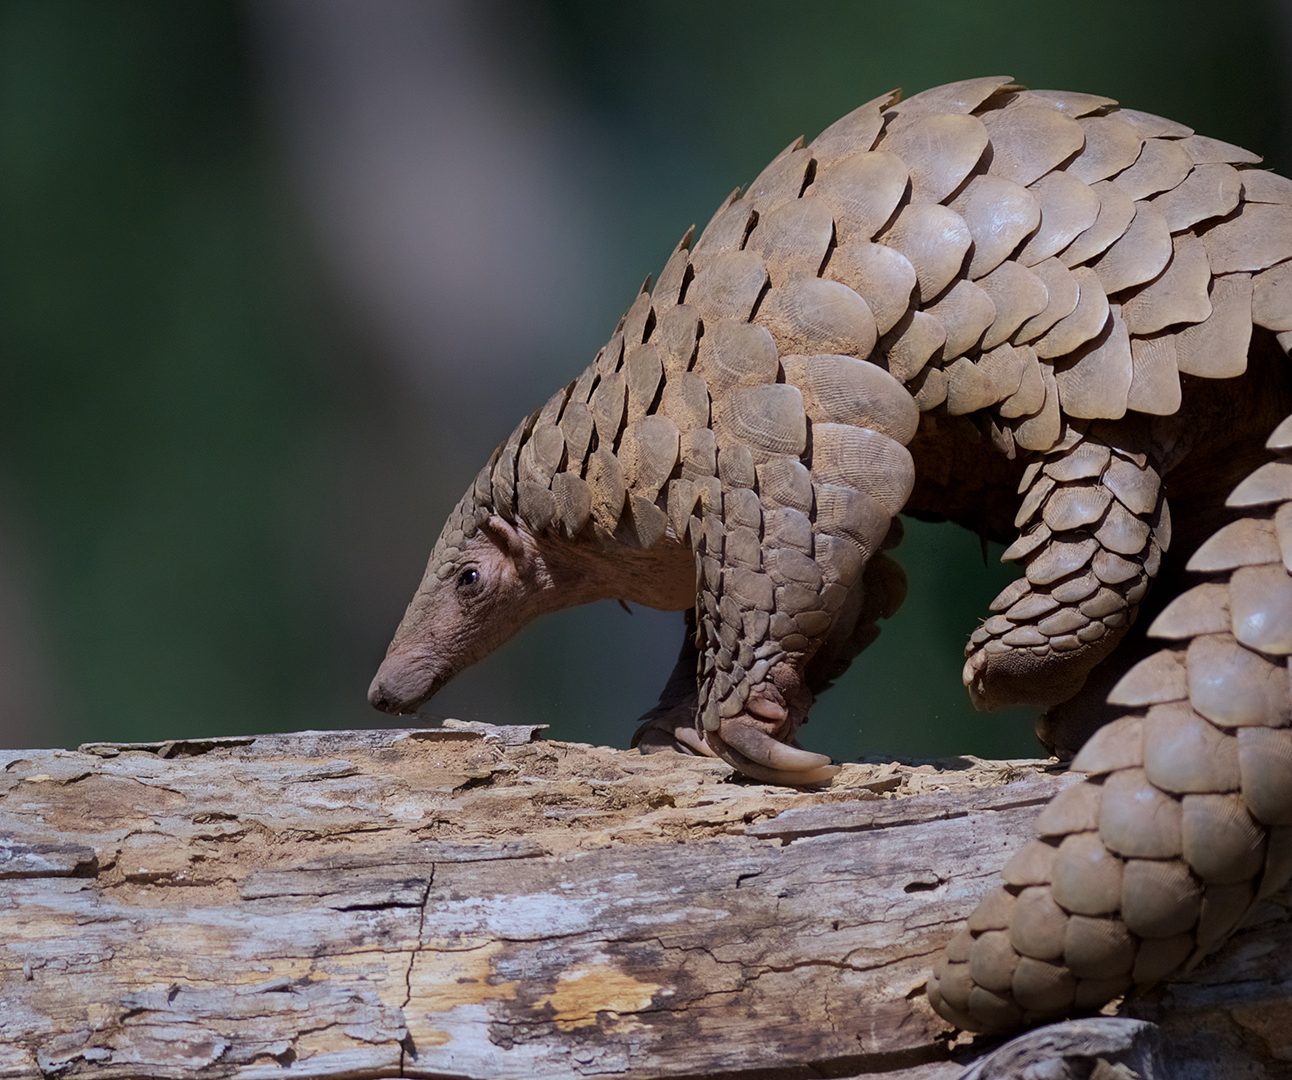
x=471, y=901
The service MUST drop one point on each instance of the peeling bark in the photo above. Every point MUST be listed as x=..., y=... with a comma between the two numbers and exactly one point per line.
x=468, y=902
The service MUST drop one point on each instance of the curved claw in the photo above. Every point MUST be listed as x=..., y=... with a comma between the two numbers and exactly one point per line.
x=744, y=745
x=671, y=729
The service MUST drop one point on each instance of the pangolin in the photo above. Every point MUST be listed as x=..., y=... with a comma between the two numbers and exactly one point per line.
x=1033, y=313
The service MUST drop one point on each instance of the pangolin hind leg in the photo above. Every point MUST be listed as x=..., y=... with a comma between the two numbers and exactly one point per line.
x=671, y=724
x=1093, y=526
x=1110, y=898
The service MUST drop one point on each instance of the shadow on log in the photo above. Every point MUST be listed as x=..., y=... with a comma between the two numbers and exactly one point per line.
x=469, y=902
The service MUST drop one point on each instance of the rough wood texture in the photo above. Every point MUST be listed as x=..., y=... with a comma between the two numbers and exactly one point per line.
x=471, y=903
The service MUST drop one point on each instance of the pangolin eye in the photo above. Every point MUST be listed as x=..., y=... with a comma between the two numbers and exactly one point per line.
x=468, y=579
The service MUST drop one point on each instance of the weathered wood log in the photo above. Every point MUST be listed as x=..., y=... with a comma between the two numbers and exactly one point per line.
x=468, y=902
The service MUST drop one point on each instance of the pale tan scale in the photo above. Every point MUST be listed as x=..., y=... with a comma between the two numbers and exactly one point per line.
x=992, y=962
x=735, y=353
x=573, y=503
x=1029, y=398
x=1029, y=142
x=1260, y=186
x=1155, y=376
x=1000, y=214
x=1139, y=255
x=637, y=318
x=1204, y=150
x=1041, y=430
x=725, y=232
x=854, y=132
x=536, y=503
x=1061, y=291
x=812, y=315
x=1209, y=191
x=1088, y=319
x=1160, y=899
x=852, y=517
x=1038, y=926
x=843, y=454
x=685, y=400
x=1271, y=483
x=1258, y=237
x=1184, y=753
x=676, y=335
x=793, y=238
x=1032, y=864
x=863, y=191
x=846, y=390
x=994, y=912
x=1075, y=506
x=1260, y=608
x=769, y=419
x=669, y=286
x=1111, y=145
x=941, y=150
x=1046, y=987
x=1137, y=488
x=1097, y=382
x=605, y=478
x=957, y=97
x=965, y=311
x=934, y=240
x=1113, y=748
x=1122, y=532
x=1060, y=559
x=1180, y=294
x=728, y=286
x=649, y=450
x=1069, y=102
x=1150, y=126
x=911, y=343
x=1136, y=820
x=1272, y=297
x=643, y=374
x=882, y=276
x=968, y=388
x=1222, y=845
x=607, y=405
x=1096, y=948
x=1246, y=542
x=1265, y=761
x=1234, y=687
x=1116, y=211
x=1161, y=166
x=1003, y=368
x=1017, y=294
x=1068, y=208
x=929, y=388
x=783, y=179
x=1217, y=347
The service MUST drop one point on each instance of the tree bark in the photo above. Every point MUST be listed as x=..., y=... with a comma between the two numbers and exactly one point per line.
x=469, y=902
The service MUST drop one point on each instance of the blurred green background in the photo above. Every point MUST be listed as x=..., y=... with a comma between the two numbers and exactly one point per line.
x=277, y=276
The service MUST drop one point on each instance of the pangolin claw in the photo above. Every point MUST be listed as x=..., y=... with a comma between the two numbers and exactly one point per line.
x=743, y=743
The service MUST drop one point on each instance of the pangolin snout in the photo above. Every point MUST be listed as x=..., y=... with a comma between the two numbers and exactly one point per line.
x=401, y=685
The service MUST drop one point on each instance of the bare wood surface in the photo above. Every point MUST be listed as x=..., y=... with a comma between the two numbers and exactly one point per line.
x=468, y=902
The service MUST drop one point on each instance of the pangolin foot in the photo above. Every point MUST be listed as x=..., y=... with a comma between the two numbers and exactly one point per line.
x=671, y=727
x=757, y=743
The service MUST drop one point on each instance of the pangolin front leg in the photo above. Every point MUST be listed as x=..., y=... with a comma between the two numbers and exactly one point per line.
x=670, y=724
x=782, y=542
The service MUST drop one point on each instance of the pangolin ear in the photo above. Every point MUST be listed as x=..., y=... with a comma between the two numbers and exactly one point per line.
x=506, y=537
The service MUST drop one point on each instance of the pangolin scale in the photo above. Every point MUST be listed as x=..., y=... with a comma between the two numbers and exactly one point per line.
x=1034, y=313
